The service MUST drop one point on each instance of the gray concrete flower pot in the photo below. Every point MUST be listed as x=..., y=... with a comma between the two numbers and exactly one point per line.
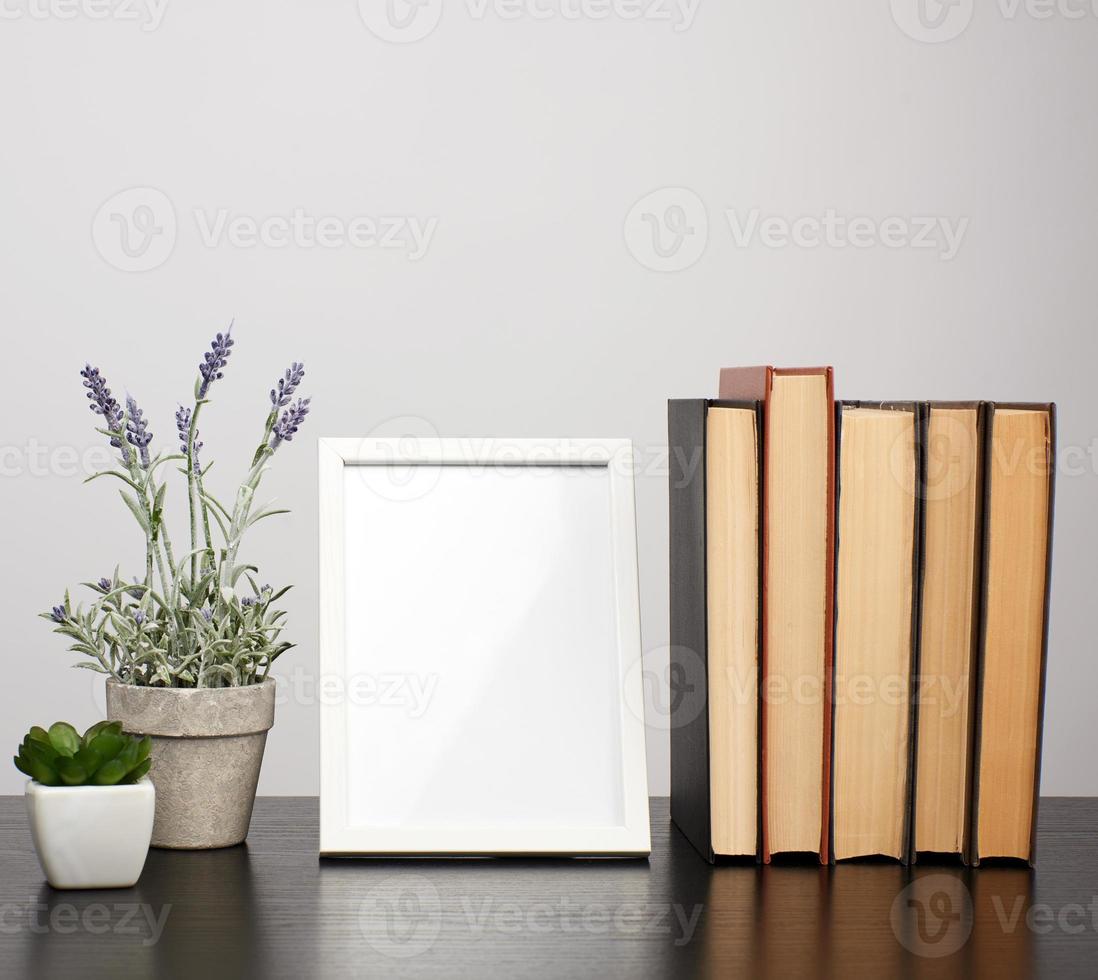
x=207, y=751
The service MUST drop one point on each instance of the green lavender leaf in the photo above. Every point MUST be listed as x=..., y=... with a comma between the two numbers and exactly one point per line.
x=136, y=510
x=115, y=473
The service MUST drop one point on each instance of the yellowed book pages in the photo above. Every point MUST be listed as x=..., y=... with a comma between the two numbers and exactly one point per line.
x=950, y=571
x=873, y=631
x=796, y=610
x=732, y=550
x=1014, y=629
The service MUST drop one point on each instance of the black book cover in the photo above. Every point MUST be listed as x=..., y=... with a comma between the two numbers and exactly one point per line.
x=690, y=787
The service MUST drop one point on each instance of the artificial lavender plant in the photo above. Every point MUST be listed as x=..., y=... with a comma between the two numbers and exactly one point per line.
x=185, y=623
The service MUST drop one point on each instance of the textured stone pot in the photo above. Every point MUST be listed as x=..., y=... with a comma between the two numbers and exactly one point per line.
x=207, y=751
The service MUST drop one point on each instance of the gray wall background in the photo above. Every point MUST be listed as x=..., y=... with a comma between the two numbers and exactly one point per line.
x=543, y=304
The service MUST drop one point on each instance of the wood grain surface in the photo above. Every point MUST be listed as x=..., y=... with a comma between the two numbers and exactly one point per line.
x=271, y=908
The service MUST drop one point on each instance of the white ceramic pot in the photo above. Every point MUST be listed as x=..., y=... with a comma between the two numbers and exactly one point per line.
x=91, y=836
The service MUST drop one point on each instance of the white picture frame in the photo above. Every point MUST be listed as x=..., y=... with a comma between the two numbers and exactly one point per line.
x=497, y=581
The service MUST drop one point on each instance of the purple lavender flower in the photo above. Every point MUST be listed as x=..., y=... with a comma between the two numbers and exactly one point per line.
x=247, y=602
x=207, y=614
x=137, y=430
x=286, y=427
x=214, y=360
x=105, y=404
x=58, y=614
x=139, y=617
x=136, y=592
x=104, y=584
x=183, y=427
x=287, y=385
x=102, y=401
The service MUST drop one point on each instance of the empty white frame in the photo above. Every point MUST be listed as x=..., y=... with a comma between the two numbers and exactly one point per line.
x=479, y=633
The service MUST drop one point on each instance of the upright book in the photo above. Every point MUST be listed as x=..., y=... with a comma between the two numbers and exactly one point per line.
x=797, y=600
x=953, y=436
x=1020, y=453
x=714, y=523
x=880, y=471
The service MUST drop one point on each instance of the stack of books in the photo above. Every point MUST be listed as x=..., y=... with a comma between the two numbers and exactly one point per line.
x=861, y=590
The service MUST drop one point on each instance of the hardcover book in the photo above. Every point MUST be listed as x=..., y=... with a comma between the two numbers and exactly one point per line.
x=953, y=493
x=878, y=532
x=1020, y=453
x=715, y=541
x=797, y=600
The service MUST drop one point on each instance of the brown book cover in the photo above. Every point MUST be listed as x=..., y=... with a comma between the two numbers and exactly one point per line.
x=757, y=384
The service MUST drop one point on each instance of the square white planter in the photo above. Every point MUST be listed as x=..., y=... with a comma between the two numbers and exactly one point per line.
x=91, y=836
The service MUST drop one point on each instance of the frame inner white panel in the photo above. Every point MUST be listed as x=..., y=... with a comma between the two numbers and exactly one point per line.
x=480, y=607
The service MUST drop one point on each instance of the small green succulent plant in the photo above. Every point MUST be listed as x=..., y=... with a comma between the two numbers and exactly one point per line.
x=103, y=756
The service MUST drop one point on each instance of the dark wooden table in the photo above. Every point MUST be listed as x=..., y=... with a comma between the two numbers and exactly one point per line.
x=272, y=909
